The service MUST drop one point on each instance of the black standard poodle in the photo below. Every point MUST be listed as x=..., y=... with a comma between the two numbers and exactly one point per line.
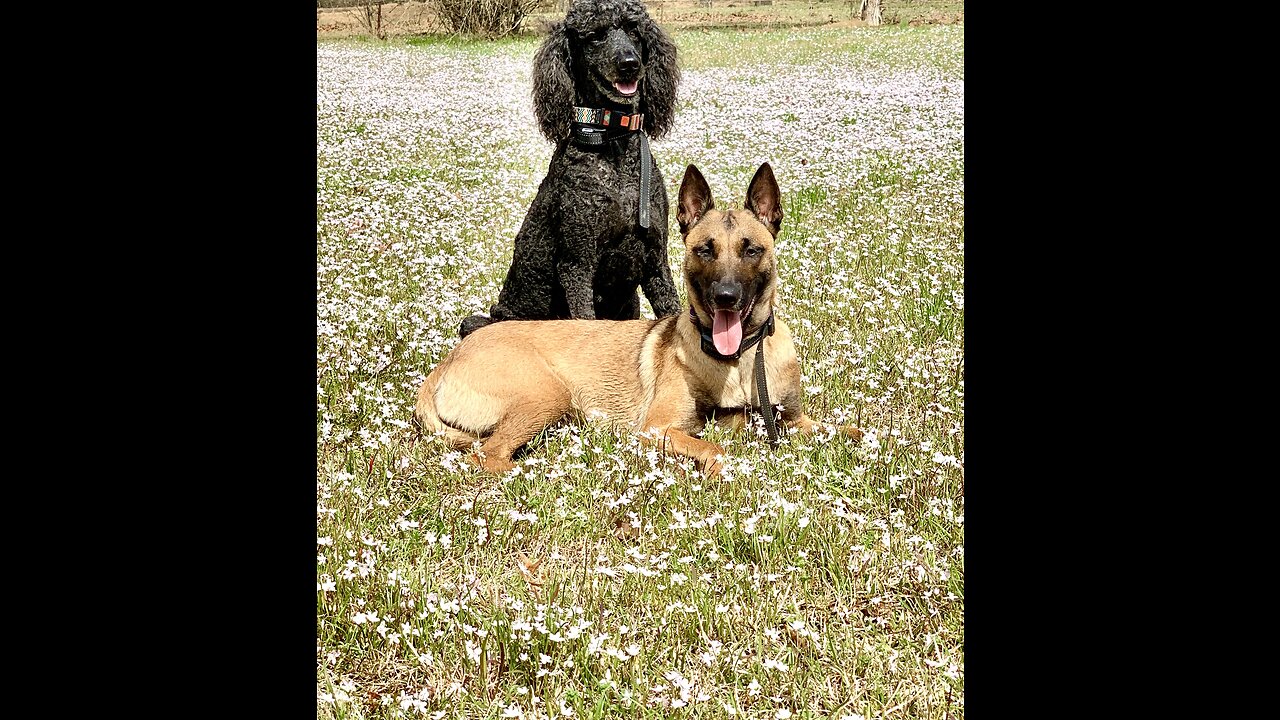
x=602, y=79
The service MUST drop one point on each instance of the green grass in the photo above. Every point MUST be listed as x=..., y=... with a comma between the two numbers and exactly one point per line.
x=823, y=578
x=887, y=47
x=472, y=47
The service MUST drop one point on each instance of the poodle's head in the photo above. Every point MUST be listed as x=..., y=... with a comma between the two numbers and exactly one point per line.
x=606, y=53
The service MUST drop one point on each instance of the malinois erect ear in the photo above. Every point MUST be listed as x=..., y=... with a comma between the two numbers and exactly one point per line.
x=695, y=199
x=764, y=199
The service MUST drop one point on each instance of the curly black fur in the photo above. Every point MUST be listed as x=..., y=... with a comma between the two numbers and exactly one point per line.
x=581, y=252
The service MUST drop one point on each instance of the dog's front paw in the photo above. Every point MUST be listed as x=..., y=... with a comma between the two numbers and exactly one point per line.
x=495, y=465
x=711, y=468
x=709, y=460
x=850, y=431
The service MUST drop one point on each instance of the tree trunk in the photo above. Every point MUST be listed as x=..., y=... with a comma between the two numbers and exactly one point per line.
x=871, y=12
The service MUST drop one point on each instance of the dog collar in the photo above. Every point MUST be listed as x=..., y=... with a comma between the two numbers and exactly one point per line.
x=594, y=126
x=709, y=346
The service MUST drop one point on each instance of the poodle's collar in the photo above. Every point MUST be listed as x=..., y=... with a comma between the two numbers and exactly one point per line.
x=709, y=347
x=593, y=126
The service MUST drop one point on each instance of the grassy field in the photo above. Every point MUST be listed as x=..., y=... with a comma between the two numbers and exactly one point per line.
x=820, y=579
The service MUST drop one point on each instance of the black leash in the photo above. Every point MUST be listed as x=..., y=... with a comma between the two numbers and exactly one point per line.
x=766, y=407
x=644, y=180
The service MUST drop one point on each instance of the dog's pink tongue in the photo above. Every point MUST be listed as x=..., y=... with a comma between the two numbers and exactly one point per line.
x=726, y=331
x=626, y=88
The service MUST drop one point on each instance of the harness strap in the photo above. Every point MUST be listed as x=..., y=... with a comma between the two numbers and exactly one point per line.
x=709, y=346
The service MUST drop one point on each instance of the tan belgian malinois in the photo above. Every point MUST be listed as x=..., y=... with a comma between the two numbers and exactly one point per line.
x=507, y=381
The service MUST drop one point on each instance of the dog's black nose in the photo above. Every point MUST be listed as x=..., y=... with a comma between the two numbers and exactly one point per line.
x=726, y=294
x=629, y=63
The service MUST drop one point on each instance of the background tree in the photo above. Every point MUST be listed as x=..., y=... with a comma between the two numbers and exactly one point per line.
x=488, y=18
x=371, y=18
x=871, y=12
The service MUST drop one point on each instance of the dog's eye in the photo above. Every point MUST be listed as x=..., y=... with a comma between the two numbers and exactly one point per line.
x=704, y=252
x=754, y=251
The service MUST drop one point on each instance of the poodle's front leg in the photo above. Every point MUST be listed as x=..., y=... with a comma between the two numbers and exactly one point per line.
x=578, y=240
x=657, y=283
x=577, y=277
x=660, y=289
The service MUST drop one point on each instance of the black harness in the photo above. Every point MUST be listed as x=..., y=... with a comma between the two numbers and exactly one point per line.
x=762, y=386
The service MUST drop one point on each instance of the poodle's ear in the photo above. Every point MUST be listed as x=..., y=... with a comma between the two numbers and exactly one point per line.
x=695, y=199
x=765, y=199
x=661, y=78
x=553, y=96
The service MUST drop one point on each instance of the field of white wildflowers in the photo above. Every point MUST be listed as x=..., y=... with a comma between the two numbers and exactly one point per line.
x=823, y=578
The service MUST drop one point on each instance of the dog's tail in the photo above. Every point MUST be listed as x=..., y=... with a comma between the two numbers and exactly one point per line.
x=429, y=422
x=472, y=324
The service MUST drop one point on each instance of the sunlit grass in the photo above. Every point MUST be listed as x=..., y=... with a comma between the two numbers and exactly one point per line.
x=823, y=578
